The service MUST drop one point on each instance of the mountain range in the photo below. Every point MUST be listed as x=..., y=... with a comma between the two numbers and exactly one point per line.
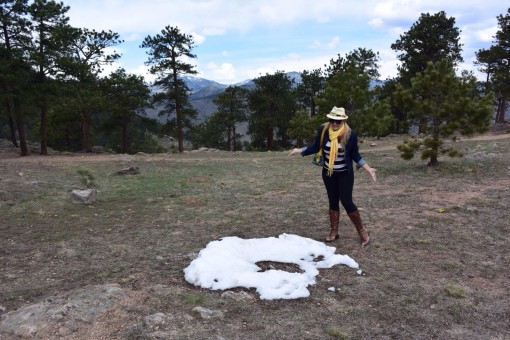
x=203, y=91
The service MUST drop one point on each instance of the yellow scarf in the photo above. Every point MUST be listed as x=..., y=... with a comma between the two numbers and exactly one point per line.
x=333, y=138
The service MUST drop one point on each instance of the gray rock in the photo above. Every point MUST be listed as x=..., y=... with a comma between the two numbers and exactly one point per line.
x=67, y=312
x=87, y=196
x=238, y=296
x=155, y=320
x=132, y=170
x=206, y=313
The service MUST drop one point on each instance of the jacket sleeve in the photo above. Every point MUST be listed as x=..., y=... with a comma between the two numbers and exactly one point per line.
x=311, y=149
x=354, y=151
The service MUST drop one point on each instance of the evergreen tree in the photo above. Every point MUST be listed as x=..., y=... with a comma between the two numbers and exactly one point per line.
x=387, y=92
x=495, y=62
x=367, y=61
x=167, y=59
x=272, y=105
x=449, y=104
x=302, y=127
x=49, y=20
x=14, y=68
x=88, y=51
x=232, y=105
x=349, y=88
x=212, y=133
x=311, y=86
x=127, y=97
x=432, y=38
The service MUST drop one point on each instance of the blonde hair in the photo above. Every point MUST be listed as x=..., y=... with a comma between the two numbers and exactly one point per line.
x=345, y=135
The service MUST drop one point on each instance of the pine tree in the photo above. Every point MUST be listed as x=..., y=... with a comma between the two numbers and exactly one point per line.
x=232, y=105
x=272, y=104
x=311, y=87
x=495, y=63
x=349, y=88
x=449, y=104
x=431, y=38
x=14, y=67
x=167, y=53
x=127, y=96
x=87, y=53
x=49, y=20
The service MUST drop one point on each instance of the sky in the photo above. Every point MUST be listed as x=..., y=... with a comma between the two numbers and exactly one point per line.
x=231, y=262
x=237, y=40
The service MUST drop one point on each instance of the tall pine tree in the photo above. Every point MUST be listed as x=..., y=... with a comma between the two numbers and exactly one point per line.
x=168, y=53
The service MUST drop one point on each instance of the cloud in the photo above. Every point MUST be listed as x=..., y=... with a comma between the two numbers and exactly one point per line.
x=222, y=73
x=315, y=44
x=376, y=22
x=333, y=43
x=209, y=31
x=486, y=34
x=198, y=38
x=261, y=35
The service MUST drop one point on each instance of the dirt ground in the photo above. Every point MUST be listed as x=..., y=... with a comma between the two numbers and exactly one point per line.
x=437, y=266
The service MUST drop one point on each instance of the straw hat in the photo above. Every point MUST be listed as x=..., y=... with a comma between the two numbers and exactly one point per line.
x=337, y=113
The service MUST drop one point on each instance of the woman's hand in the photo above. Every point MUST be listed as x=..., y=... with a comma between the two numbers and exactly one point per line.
x=295, y=151
x=371, y=171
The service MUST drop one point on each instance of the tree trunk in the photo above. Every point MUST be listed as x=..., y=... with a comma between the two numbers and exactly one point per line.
x=270, y=139
x=22, y=137
x=124, y=136
x=43, y=130
x=500, y=115
x=433, y=161
x=68, y=138
x=179, y=128
x=13, y=131
x=85, y=132
x=12, y=126
x=229, y=139
x=422, y=127
x=234, y=142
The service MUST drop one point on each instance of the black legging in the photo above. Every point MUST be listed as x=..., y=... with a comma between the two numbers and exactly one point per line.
x=339, y=187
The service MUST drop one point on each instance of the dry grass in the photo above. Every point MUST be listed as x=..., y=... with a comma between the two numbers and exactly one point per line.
x=428, y=274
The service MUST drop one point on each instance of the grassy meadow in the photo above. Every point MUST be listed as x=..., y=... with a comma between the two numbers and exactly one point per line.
x=437, y=266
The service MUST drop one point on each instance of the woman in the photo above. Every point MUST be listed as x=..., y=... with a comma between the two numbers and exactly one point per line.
x=340, y=149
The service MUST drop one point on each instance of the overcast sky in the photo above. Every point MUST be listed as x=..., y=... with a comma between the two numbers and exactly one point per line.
x=237, y=40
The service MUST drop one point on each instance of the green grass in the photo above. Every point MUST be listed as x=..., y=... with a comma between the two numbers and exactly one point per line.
x=454, y=290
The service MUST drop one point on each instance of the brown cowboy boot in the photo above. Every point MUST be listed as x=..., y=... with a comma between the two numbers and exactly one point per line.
x=362, y=232
x=334, y=218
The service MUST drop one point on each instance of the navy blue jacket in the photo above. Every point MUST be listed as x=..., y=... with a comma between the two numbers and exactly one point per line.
x=351, y=148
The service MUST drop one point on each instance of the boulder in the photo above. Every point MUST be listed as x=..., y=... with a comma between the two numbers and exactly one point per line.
x=87, y=196
x=132, y=170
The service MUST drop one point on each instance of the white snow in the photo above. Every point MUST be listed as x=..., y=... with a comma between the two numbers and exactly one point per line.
x=231, y=262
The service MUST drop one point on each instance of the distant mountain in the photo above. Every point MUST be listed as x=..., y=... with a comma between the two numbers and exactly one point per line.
x=203, y=91
x=197, y=84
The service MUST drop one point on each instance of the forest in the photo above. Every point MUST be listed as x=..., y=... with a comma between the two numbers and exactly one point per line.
x=53, y=91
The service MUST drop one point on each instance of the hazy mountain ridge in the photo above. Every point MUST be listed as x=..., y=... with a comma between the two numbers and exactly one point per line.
x=203, y=92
